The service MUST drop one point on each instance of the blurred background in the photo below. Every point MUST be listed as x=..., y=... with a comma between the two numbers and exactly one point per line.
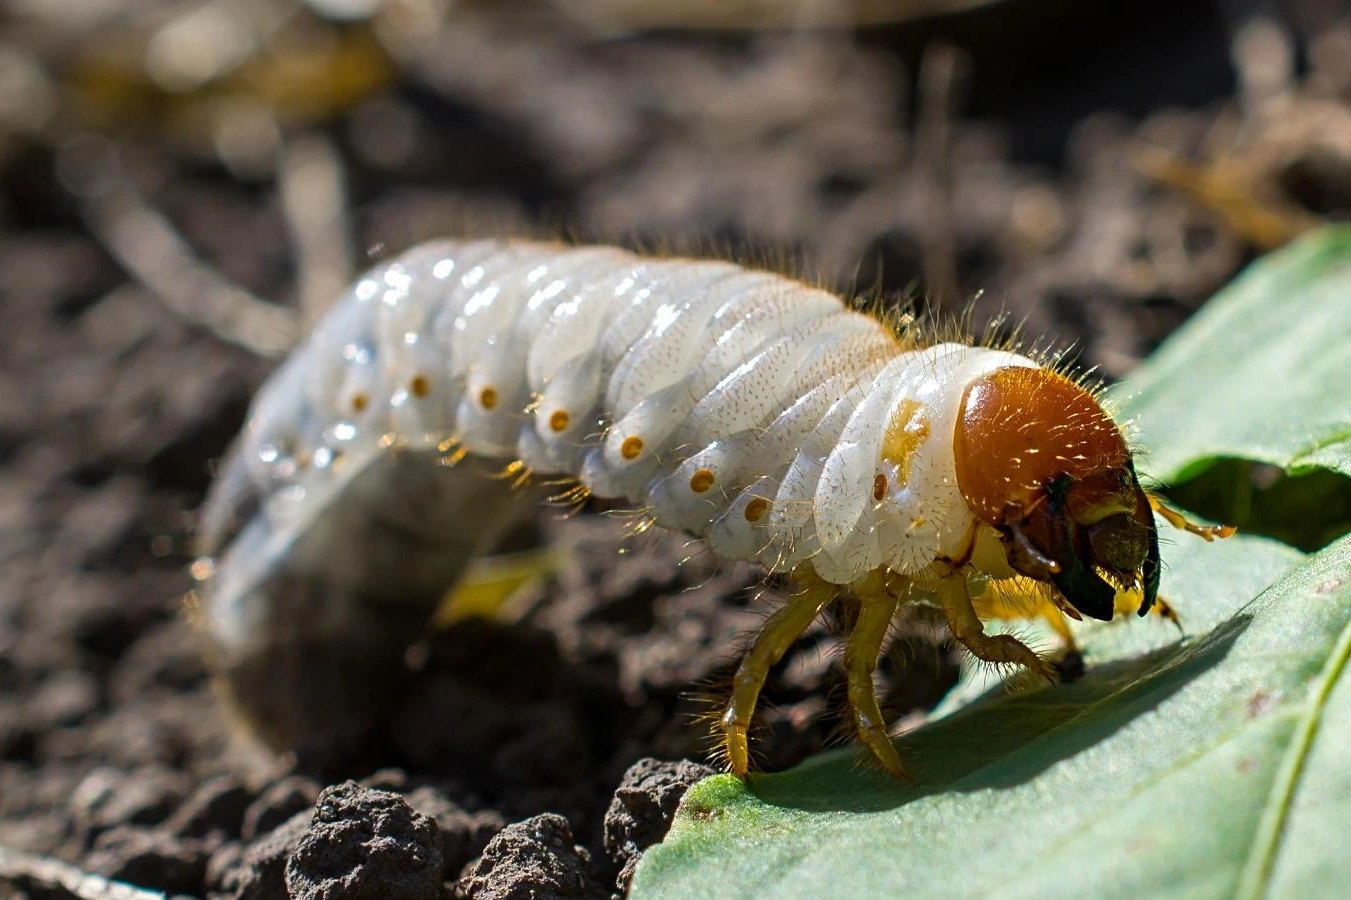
x=184, y=186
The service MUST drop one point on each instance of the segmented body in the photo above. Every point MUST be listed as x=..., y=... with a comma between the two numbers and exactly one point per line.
x=736, y=405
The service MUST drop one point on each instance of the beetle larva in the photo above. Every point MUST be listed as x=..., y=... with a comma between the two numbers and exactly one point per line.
x=870, y=465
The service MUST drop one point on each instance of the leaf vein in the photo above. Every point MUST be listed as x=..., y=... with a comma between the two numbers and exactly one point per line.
x=1266, y=842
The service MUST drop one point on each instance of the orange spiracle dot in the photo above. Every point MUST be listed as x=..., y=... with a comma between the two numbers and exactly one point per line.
x=559, y=420
x=702, y=480
x=360, y=401
x=419, y=386
x=756, y=509
x=488, y=397
x=632, y=446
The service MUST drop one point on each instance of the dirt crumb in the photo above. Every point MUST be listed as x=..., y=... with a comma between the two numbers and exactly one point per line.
x=256, y=871
x=364, y=843
x=531, y=860
x=107, y=797
x=150, y=858
x=217, y=806
x=464, y=834
x=642, y=809
x=278, y=802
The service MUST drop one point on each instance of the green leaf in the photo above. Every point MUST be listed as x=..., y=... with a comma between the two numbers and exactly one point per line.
x=1205, y=767
x=1214, y=765
x=1262, y=372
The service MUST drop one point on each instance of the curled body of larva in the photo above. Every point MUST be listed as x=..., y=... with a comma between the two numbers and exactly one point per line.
x=738, y=406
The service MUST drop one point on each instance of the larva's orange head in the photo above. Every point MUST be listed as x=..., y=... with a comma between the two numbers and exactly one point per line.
x=1041, y=462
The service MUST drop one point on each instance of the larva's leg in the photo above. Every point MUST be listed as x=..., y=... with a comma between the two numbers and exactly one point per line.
x=1181, y=522
x=1068, y=661
x=1127, y=602
x=967, y=627
x=1011, y=602
x=778, y=634
x=876, y=610
x=1020, y=601
x=1161, y=608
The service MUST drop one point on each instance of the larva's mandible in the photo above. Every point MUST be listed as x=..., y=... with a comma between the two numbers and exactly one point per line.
x=739, y=406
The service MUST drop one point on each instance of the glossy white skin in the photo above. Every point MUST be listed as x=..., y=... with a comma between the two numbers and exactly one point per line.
x=774, y=389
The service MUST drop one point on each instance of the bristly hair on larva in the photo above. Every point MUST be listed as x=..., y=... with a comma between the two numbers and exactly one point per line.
x=869, y=458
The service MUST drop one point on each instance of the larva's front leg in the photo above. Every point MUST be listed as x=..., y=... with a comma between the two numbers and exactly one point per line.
x=967, y=627
x=1182, y=523
x=876, y=609
x=780, y=630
